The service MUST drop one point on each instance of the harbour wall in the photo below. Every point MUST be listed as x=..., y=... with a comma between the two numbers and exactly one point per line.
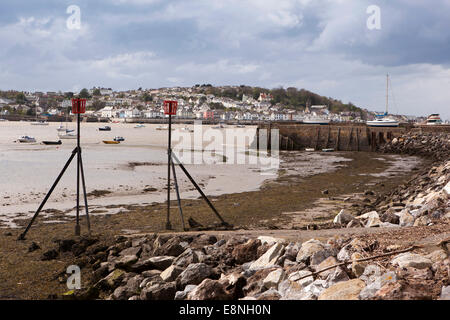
x=347, y=137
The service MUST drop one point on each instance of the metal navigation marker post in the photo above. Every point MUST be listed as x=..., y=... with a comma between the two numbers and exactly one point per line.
x=170, y=108
x=78, y=107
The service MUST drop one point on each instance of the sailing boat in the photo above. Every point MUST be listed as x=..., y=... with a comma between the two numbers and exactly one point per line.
x=64, y=130
x=383, y=120
x=66, y=133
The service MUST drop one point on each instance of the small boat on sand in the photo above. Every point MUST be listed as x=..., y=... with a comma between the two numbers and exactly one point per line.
x=119, y=139
x=67, y=136
x=310, y=149
x=139, y=126
x=110, y=142
x=327, y=150
x=105, y=128
x=51, y=143
x=26, y=139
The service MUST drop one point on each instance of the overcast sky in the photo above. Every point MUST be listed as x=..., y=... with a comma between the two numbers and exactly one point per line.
x=321, y=45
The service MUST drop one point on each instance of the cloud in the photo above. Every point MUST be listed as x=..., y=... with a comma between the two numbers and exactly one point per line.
x=321, y=45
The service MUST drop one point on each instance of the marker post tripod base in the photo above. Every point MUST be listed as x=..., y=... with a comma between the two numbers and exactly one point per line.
x=78, y=106
x=170, y=108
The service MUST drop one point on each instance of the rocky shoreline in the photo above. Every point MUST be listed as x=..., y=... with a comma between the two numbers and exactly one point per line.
x=209, y=267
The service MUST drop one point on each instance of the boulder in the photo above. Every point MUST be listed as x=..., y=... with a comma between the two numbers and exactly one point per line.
x=291, y=250
x=269, y=258
x=298, y=278
x=159, y=291
x=126, y=261
x=171, y=273
x=268, y=295
x=186, y=258
x=316, y=288
x=445, y=293
x=130, y=289
x=390, y=217
x=319, y=256
x=160, y=263
x=422, y=221
x=344, y=254
x=308, y=248
x=412, y=260
x=375, y=284
x=274, y=278
x=194, y=274
x=343, y=218
x=246, y=252
x=346, y=290
x=373, y=221
x=328, y=262
x=182, y=295
x=210, y=290
x=173, y=247
x=406, y=219
x=336, y=276
x=112, y=280
x=358, y=267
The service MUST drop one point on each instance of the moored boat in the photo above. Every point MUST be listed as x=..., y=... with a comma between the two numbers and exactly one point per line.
x=40, y=123
x=434, y=120
x=382, y=120
x=139, y=126
x=50, y=143
x=110, y=142
x=105, y=128
x=119, y=139
x=67, y=136
x=26, y=139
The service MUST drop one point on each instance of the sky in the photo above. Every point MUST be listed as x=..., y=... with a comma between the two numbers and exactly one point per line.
x=340, y=49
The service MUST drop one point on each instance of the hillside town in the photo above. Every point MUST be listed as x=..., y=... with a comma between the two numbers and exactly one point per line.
x=193, y=103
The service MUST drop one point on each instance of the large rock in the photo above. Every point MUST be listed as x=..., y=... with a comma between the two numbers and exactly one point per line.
x=328, y=262
x=316, y=288
x=373, y=221
x=290, y=290
x=130, y=289
x=186, y=258
x=343, y=218
x=269, y=258
x=159, y=291
x=406, y=219
x=301, y=278
x=210, y=290
x=321, y=255
x=182, y=295
x=347, y=290
x=358, y=267
x=194, y=274
x=308, y=249
x=112, y=280
x=274, y=278
x=160, y=263
x=445, y=293
x=173, y=247
x=126, y=261
x=246, y=252
x=291, y=250
x=412, y=260
x=171, y=273
x=376, y=284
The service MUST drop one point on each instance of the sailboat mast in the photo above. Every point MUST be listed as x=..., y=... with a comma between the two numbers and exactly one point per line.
x=387, y=93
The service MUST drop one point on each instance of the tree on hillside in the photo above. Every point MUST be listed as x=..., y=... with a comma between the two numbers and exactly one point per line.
x=84, y=94
x=20, y=98
x=97, y=92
